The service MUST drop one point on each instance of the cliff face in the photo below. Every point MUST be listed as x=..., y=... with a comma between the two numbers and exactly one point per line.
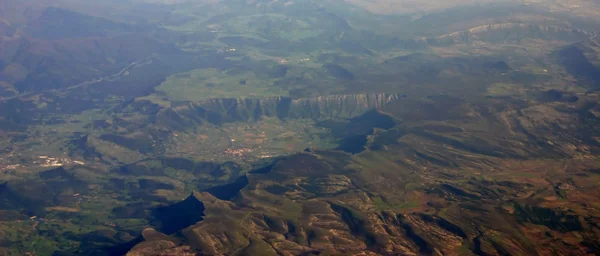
x=345, y=106
x=507, y=31
x=218, y=111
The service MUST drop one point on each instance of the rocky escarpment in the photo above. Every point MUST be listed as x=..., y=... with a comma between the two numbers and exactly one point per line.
x=453, y=178
x=507, y=32
x=218, y=111
x=158, y=122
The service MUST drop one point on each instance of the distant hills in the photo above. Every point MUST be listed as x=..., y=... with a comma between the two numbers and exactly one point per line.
x=265, y=127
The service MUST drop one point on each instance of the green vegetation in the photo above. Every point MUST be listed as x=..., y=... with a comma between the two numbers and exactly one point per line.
x=381, y=205
x=273, y=25
x=210, y=83
x=294, y=127
x=501, y=89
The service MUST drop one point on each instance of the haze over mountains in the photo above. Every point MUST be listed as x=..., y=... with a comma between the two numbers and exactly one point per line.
x=150, y=127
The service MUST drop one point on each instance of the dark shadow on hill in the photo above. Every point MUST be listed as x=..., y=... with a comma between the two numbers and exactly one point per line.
x=12, y=200
x=263, y=170
x=353, y=135
x=553, y=218
x=32, y=196
x=355, y=224
x=556, y=96
x=122, y=249
x=338, y=72
x=229, y=191
x=353, y=144
x=78, y=146
x=574, y=60
x=172, y=218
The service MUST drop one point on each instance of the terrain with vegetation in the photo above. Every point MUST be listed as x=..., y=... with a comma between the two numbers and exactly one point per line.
x=259, y=127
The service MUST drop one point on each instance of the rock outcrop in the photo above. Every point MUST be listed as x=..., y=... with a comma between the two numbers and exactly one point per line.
x=219, y=111
x=507, y=31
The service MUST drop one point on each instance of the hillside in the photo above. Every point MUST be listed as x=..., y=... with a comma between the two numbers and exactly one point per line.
x=420, y=187
x=260, y=127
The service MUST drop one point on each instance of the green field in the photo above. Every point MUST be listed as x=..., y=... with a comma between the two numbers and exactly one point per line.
x=204, y=84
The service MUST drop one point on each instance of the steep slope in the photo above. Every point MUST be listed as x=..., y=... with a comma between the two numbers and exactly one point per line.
x=509, y=33
x=181, y=116
x=325, y=107
x=57, y=23
x=582, y=61
x=61, y=48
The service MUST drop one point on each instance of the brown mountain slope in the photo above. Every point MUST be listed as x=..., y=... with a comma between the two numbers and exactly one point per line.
x=495, y=180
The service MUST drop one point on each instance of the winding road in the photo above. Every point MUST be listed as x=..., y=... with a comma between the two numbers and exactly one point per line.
x=89, y=82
